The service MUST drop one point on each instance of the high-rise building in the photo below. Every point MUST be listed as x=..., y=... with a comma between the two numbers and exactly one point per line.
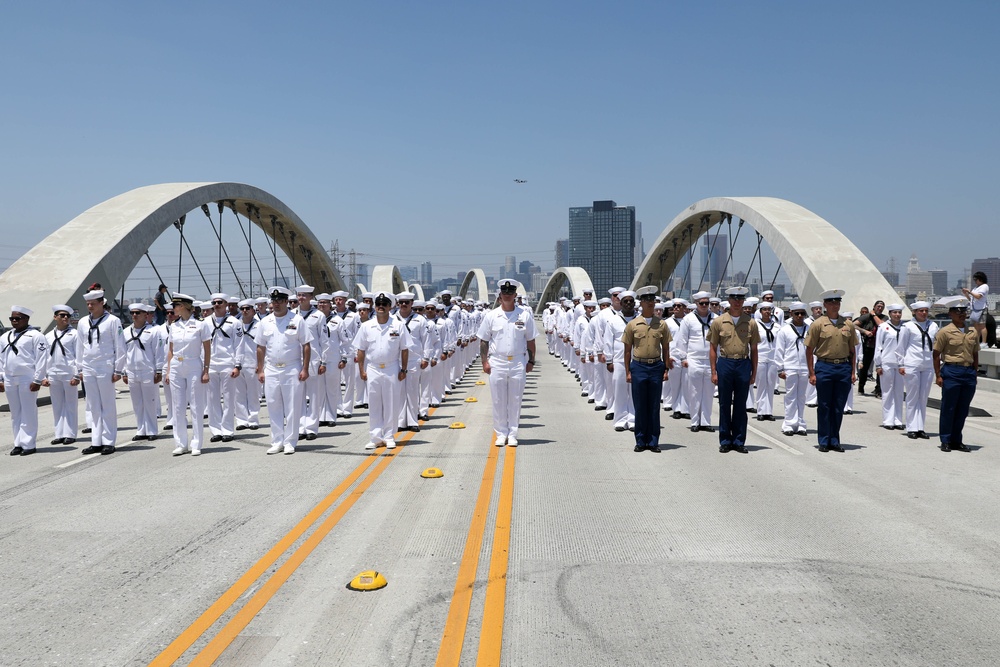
x=510, y=264
x=891, y=277
x=426, y=274
x=991, y=267
x=562, y=252
x=714, y=252
x=918, y=281
x=602, y=241
x=939, y=282
x=408, y=273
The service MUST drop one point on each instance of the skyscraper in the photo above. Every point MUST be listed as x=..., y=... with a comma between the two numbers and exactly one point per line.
x=939, y=282
x=714, y=251
x=602, y=241
x=426, y=274
x=991, y=267
x=562, y=252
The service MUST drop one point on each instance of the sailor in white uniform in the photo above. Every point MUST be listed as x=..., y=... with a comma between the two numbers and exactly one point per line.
x=887, y=366
x=383, y=346
x=767, y=364
x=24, y=357
x=100, y=361
x=189, y=351
x=283, y=354
x=247, y=407
x=333, y=360
x=223, y=373
x=692, y=350
x=145, y=357
x=614, y=348
x=418, y=359
x=349, y=322
x=915, y=359
x=61, y=377
x=312, y=396
x=790, y=358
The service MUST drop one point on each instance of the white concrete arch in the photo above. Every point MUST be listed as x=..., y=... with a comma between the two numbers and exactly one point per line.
x=359, y=289
x=815, y=254
x=387, y=278
x=103, y=244
x=578, y=280
x=482, y=287
x=415, y=289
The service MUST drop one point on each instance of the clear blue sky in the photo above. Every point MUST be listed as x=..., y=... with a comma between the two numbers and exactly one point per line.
x=399, y=127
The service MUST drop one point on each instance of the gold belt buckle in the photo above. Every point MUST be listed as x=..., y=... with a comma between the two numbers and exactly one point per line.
x=381, y=365
x=280, y=365
x=510, y=358
x=179, y=358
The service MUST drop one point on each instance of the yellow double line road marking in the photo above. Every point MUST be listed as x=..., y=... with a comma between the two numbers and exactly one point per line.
x=456, y=624
x=236, y=625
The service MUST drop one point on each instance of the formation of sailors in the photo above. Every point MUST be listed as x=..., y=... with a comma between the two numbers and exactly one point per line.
x=312, y=358
x=813, y=348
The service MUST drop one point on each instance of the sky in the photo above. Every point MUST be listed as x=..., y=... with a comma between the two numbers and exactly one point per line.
x=398, y=128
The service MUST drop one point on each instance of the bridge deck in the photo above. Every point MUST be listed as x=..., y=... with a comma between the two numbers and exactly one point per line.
x=885, y=554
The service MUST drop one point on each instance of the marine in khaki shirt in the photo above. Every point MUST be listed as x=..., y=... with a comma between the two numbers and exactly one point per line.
x=831, y=340
x=734, y=339
x=646, y=341
x=954, y=346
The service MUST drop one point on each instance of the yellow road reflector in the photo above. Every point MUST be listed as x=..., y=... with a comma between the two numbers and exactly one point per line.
x=472, y=399
x=457, y=425
x=432, y=473
x=480, y=382
x=369, y=580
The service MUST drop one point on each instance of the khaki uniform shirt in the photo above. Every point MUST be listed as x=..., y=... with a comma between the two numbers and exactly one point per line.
x=734, y=338
x=647, y=340
x=832, y=341
x=956, y=346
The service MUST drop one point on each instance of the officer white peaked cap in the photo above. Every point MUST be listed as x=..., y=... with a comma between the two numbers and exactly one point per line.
x=752, y=301
x=590, y=303
x=700, y=295
x=21, y=309
x=219, y=295
x=917, y=305
x=797, y=305
x=815, y=304
x=94, y=295
x=832, y=294
x=508, y=282
x=260, y=299
x=627, y=293
x=387, y=295
x=245, y=303
x=305, y=289
x=177, y=296
x=234, y=299
x=141, y=307
x=417, y=303
x=648, y=289
x=765, y=304
x=278, y=290
x=62, y=308
x=603, y=300
x=737, y=291
x=616, y=290
x=340, y=294
x=323, y=296
x=950, y=302
x=405, y=296
x=895, y=306
x=766, y=292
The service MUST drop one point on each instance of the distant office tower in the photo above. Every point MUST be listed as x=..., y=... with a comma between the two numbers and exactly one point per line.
x=714, y=252
x=602, y=241
x=562, y=252
x=510, y=264
x=891, y=277
x=991, y=267
x=408, y=273
x=640, y=249
x=939, y=282
x=426, y=274
x=918, y=281
x=682, y=279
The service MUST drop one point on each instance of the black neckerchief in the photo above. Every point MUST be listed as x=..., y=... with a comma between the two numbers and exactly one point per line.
x=217, y=328
x=57, y=340
x=767, y=330
x=799, y=337
x=12, y=344
x=246, y=331
x=925, y=337
x=705, y=324
x=896, y=329
x=135, y=337
x=94, y=325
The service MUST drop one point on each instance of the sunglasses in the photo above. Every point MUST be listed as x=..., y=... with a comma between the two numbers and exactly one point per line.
x=16, y=318
x=703, y=303
x=508, y=290
x=218, y=303
x=246, y=307
x=62, y=314
x=738, y=297
x=382, y=302
x=837, y=300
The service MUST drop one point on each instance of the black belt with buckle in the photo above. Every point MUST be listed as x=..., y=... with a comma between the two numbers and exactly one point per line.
x=834, y=361
x=648, y=361
x=955, y=363
x=733, y=358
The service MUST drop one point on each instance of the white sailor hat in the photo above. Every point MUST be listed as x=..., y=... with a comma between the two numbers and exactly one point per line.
x=748, y=303
x=603, y=300
x=714, y=299
x=647, y=291
x=340, y=294
x=761, y=305
x=577, y=297
x=278, y=292
x=766, y=292
x=324, y=296
x=510, y=282
x=419, y=303
x=669, y=303
x=950, y=302
x=616, y=290
x=23, y=310
x=367, y=295
x=797, y=305
x=627, y=293
x=895, y=306
x=246, y=303
x=138, y=305
x=444, y=292
x=738, y=291
x=94, y=295
x=832, y=294
x=405, y=296
x=589, y=303
x=364, y=306
x=439, y=306
x=587, y=290
x=815, y=304
x=725, y=305
x=305, y=289
x=61, y=308
x=260, y=299
x=234, y=299
x=169, y=306
x=182, y=298
x=382, y=294
x=351, y=299
x=219, y=295
x=700, y=295
x=848, y=315
x=917, y=305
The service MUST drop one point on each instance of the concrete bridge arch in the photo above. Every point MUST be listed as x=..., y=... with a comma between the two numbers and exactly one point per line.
x=578, y=279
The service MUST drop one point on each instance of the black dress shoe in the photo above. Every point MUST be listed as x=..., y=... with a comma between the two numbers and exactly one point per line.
x=364, y=405
x=136, y=438
x=751, y=409
x=823, y=448
x=654, y=448
x=68, y=441
x=600, y=407
x=837, y=448
x=961, y=447
x=86, y=430
x=215, y=438
x=760, y=418
x=724, y=448
x=695, y=429
x=912, y=435
x=677, y=415
x=619, y=429
x=900, y=427
x=710, y=429
x=253, y=427
x=310, y=436
x=945, y=447
x=243, y=427
x=740, y=448
x=638, y=448
x=92, y=449
x=923, y=436
x=887, y=427
x=848, y=412
x=168, y=427
x=609, y=416
x=151, y=437
x=227, y=438
x=28, y=452
x=17, y=451
x=107, y=449
x=415, y=429
x=58, y=441
x=686, y=415
x=591, y=400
